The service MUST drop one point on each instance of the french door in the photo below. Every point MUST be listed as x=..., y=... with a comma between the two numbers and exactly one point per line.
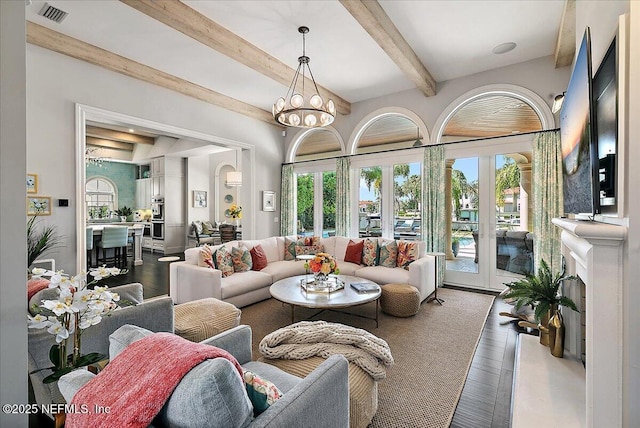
x=486, y=203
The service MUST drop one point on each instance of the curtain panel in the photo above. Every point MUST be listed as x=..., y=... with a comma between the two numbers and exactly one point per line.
x=547, y=198
x=287, y=213
x=343, y=207
x=433, y=212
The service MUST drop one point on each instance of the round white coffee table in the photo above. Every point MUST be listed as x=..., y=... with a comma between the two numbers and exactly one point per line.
x=289, y=290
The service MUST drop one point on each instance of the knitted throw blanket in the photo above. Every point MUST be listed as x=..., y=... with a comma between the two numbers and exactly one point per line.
x=319, y=338
x=134, y=386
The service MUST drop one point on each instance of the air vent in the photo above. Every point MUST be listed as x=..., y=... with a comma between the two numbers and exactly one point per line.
x=52, y=13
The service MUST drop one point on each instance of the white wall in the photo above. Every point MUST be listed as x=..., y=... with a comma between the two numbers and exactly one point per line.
x=198, y=171
x=56, y=82
x=13, y=252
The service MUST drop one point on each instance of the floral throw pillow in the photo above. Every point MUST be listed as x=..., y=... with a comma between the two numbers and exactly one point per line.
x=223, y=262
x=407, y=253
x=370, y=252
x=309, y=249
x=205, y=257
x=308, y=241
x=388, y=254
x=261, y=392
x=289, y=249
x=241, y=259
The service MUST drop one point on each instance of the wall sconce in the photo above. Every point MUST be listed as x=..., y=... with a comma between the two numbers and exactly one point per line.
x=557, y=102
x=234, y=178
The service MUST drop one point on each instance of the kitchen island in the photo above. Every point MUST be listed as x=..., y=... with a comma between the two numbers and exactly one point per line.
x=135, y=230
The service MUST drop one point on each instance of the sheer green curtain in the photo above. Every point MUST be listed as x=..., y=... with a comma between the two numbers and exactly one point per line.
x=547, y=198
x=433, y=203
x=287, y=213
x=343, y=218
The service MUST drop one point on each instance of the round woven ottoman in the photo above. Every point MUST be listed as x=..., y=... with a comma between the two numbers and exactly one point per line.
x=204, y=318
x=363, y=390
x=400, y=300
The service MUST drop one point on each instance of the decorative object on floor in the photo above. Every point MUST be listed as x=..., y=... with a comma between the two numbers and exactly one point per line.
x=76, y=309
x=199, y=199
x=32, y=183
x=541, y=291
x=268, y=200
x=40, y=240
x=400, y=300
x=434, y=369
x=300, y=109
x=39, y=205
x=556, y=334
x=204, y=318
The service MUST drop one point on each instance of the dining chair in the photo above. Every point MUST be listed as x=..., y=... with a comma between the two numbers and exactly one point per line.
x=227, y=232
x=114, y=237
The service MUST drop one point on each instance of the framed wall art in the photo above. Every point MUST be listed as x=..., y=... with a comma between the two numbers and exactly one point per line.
x=39, y=205
x=268, y=200
x=199, y=198
x=32, y=183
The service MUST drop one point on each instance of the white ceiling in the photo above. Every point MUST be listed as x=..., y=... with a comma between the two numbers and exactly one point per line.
x=451, y=38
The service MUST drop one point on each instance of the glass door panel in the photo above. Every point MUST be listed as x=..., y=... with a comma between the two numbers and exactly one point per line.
x=370, y=202
x=328, y=203
x=305, y=204
x=407, y=181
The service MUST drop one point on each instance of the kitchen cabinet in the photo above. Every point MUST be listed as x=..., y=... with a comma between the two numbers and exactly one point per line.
x=143, y=193
x=157, y=186
x=157, y=166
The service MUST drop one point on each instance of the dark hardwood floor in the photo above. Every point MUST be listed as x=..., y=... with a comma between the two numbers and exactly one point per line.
x=486, y=397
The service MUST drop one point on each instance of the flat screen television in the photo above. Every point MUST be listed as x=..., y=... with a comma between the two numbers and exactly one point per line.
x=579, y=153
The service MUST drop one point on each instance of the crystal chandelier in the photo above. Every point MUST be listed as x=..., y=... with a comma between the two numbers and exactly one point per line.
x=300, y=109
x=91, y=157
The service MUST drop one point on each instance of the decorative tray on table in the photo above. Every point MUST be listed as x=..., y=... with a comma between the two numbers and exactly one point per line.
x=330, y=285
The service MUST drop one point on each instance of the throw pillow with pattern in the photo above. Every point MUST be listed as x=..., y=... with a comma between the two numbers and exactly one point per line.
x=308, y=241
x=207, y=228
x=241, y=259
x=261, y=392
x=223, y=262
x=310, y=249
x=289, y=249
x=388, y=254
x=370, y=252
x=205, y=258
x=407, y=253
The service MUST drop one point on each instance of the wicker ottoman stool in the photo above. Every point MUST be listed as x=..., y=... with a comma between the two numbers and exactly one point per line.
x=400, y=300
x=204, y=318
x=363, y=390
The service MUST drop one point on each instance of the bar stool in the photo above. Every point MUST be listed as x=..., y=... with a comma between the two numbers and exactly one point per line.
x=114, y=237
x=89, y=245
x=227, y=232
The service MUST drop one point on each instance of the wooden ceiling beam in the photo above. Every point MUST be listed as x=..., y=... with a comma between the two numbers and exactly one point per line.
x=566, y=43
x=63, y=44
x=192, y=23
x=125, y=137
x=372, y=17
x=110, y=144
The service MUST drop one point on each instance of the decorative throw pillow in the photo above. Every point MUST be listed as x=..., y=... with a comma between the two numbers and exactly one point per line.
x=370, y=252
x=310, y=249
x=261, y=392
x=207, y=228
x=407, y=253
x=241, y=259
x=206, y=256
x=258, y=258
x=222, y=259
x=353, y=254
x=289, y=249
x=197, y=225
x=308, y=241
x=388, y=254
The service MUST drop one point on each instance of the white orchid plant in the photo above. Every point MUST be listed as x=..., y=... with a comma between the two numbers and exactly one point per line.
x=77, y=308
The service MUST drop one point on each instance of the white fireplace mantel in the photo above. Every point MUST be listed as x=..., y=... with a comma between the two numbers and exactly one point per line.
x=593, y=251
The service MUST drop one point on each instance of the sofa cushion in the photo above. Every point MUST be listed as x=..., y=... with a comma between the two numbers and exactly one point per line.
x=243, y=282
x=284, y=269
x=340, y=246
x=241, y=259
x=258, y=258
x=205, y=258
x=407, y=253
x=387, y=254
x=262, y=392
x=269, y=245
x=370, y=252
x=329, y=245
x=223, y=262
x=308, y=249
x=353, y=252
x=348, y=268
x=383, y=275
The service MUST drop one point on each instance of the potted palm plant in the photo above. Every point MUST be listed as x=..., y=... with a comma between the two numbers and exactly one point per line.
x=40, y=240
x=542, y=292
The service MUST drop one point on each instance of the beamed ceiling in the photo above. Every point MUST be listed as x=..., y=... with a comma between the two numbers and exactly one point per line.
x=240, y=54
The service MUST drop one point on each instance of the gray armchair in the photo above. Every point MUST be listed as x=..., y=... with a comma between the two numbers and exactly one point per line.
x=153, y=314
x=319, y=400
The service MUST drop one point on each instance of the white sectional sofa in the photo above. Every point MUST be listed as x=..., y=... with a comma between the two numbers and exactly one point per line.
x=191, y=279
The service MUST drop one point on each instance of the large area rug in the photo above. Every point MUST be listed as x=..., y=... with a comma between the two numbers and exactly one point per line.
x=432, y=352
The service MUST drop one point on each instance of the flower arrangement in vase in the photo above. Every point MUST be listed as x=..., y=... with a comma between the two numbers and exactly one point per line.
x=322, y=265
x=235, y=212
x=76, y=309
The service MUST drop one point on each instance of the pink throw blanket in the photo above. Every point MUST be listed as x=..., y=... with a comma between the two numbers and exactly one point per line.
x=34, y=285
x=135, y=385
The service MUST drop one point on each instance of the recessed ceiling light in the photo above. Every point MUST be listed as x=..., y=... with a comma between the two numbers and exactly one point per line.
x=504, y=48
x=132, y=130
